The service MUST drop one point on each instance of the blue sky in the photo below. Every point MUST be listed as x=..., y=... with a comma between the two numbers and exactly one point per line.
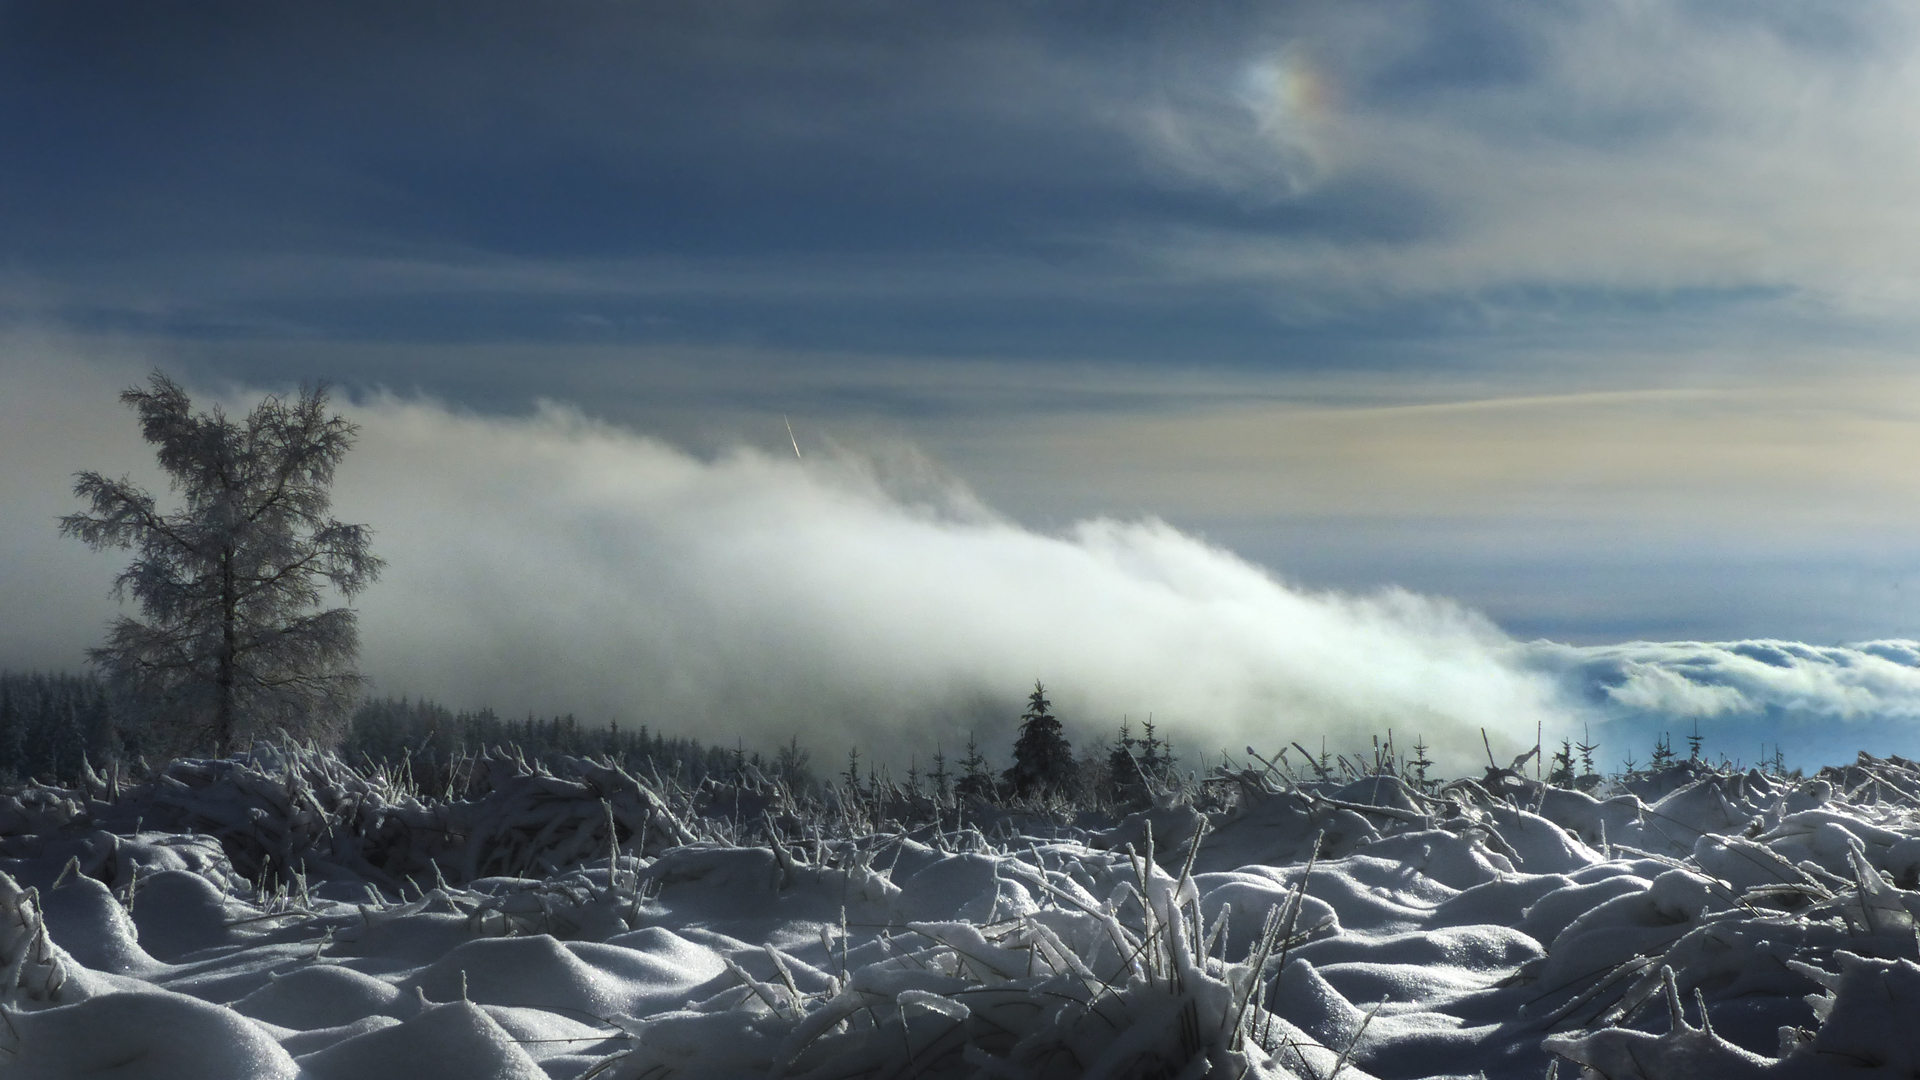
x=1595, y=318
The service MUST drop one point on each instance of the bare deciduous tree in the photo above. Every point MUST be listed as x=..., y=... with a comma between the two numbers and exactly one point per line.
x=231, y=643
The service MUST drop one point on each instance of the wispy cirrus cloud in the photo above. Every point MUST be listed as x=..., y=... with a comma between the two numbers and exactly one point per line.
x=1328, y=157
x=1614, y=147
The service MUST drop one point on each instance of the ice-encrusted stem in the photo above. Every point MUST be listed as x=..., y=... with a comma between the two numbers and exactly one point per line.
x=30, y=968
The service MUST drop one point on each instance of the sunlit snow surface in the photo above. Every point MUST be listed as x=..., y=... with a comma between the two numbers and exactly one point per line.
x=1703, y=925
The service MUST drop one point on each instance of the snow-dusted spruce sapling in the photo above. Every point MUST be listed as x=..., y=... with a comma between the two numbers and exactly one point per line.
x=231, y=642
x=974, y=780
x=1124, y=785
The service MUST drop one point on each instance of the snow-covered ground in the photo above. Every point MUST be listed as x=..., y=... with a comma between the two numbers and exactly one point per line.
x=282, y=916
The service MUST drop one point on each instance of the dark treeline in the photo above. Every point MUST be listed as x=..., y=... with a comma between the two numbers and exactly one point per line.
x=51, y=724
x=54, y=727
x=434, y=746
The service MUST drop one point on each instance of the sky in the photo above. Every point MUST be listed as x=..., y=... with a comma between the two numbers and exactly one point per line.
x=1338, y=362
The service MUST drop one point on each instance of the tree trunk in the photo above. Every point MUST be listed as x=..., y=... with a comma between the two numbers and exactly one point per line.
x=223, y=718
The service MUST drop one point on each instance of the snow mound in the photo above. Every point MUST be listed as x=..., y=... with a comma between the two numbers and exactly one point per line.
x=286, y=916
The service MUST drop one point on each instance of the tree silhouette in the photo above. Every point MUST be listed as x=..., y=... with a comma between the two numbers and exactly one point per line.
x=1560, y=774
x=1042, y=758
x=938, y=775
x=231, y=643
x=1421, y=762
x=974, y=779
x=1124, y=784
x=1662, y=752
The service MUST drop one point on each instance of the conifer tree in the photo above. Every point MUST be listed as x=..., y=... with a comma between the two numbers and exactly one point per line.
x=974, y=778
x=851, y=778
x=1589, y=777
x=1560, y=775
x=1421, y=763
x=1156, y=765
x=1123, y=768
x=790, y=763
x=1042, y=758
x=938, y=775
x=1662, y=752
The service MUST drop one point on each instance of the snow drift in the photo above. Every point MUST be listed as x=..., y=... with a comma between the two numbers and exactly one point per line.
x=1735, y=925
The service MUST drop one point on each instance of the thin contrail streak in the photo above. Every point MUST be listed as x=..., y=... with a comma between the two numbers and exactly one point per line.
x=790, y=438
